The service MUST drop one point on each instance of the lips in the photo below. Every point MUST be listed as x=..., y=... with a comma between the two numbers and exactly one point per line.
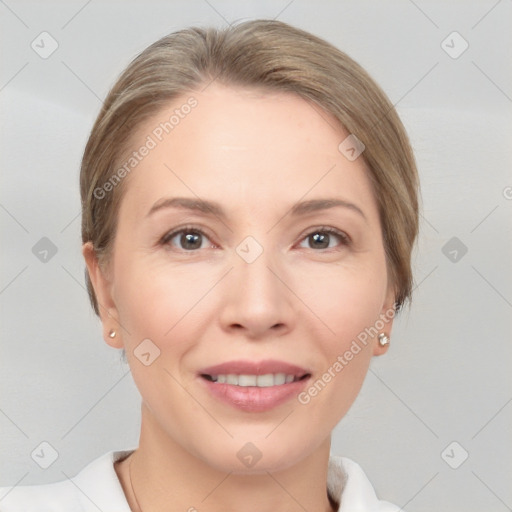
x=254, y=368
x=254, y=386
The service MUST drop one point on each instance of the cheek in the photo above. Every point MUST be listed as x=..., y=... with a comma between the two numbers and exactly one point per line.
x=347, y=301
x=145, y=295
x=347, y=298
x=162, y=302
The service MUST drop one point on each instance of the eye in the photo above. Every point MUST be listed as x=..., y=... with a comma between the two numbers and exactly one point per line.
x=325, y=238
x=191, y=239
x=187, y=239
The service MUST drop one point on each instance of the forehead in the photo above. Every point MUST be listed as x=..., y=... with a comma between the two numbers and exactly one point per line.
x=243, y=146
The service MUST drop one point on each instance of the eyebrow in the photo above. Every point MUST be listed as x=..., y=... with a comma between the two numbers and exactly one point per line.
x=215, y=209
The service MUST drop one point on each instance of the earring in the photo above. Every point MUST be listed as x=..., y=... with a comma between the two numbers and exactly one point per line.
x=112, y=333
x=383, y=339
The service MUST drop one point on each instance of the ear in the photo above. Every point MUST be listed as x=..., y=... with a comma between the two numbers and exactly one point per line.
x=103, y=289
x=387, y=314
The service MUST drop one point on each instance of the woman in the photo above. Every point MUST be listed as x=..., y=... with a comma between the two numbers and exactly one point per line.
x=249, y=201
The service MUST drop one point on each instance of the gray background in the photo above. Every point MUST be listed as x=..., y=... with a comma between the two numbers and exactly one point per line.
x=446, y=377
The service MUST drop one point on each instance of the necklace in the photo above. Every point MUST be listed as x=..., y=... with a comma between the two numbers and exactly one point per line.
x=332, y=502
x=131, y=485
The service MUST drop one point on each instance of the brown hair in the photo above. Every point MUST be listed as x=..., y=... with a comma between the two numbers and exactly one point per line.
x=275, y=56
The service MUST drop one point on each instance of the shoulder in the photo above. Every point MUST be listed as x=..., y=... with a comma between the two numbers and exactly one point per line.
x=95, y=488
x=350, y=487
x=50, y=497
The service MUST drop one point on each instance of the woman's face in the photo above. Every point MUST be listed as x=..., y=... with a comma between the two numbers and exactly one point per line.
x=242, y=298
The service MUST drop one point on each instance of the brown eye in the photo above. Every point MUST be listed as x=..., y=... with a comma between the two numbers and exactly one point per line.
x=325, y=239
x=186, y=239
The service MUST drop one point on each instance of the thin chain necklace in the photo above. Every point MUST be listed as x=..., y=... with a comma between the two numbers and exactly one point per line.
x=131, y=485
x=333, y=504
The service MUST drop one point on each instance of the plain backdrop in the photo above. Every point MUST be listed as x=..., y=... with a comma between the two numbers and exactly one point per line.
x=432, y=425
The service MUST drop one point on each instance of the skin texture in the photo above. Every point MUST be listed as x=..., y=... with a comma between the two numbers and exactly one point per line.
x=257, y=154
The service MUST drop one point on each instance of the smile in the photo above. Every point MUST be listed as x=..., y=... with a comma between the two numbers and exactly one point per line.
x=260, y=381
x=254, y=386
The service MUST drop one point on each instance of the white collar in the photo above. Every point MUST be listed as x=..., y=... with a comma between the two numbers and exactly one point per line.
x=346, y=483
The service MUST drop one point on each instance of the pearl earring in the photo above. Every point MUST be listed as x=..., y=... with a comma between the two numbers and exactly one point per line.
x=383, y=339
x=112, y=333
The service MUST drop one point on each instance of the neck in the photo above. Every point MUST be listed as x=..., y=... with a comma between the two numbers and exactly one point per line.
x=164, y=476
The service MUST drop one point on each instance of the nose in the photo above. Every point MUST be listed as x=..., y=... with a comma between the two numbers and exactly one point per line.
x=258, y=299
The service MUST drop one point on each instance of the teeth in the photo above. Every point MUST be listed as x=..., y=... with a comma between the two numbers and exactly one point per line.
x=247, y=380
x=265, y=381
x=260, y=381
x=279, y=378
x=232, y=379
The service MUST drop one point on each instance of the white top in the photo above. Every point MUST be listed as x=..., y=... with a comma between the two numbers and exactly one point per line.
x=97, y=487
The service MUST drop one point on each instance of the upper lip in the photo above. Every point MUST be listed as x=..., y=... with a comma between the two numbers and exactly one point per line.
x=244, y=367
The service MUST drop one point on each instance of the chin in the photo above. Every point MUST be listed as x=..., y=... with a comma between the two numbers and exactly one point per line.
x=260, y=455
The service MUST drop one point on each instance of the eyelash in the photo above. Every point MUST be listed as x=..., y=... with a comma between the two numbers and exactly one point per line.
x=343, y=237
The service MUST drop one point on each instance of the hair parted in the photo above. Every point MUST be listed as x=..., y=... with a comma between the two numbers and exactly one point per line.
x=271, y=55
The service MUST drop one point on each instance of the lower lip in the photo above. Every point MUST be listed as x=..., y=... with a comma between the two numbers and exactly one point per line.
x=253, y=398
